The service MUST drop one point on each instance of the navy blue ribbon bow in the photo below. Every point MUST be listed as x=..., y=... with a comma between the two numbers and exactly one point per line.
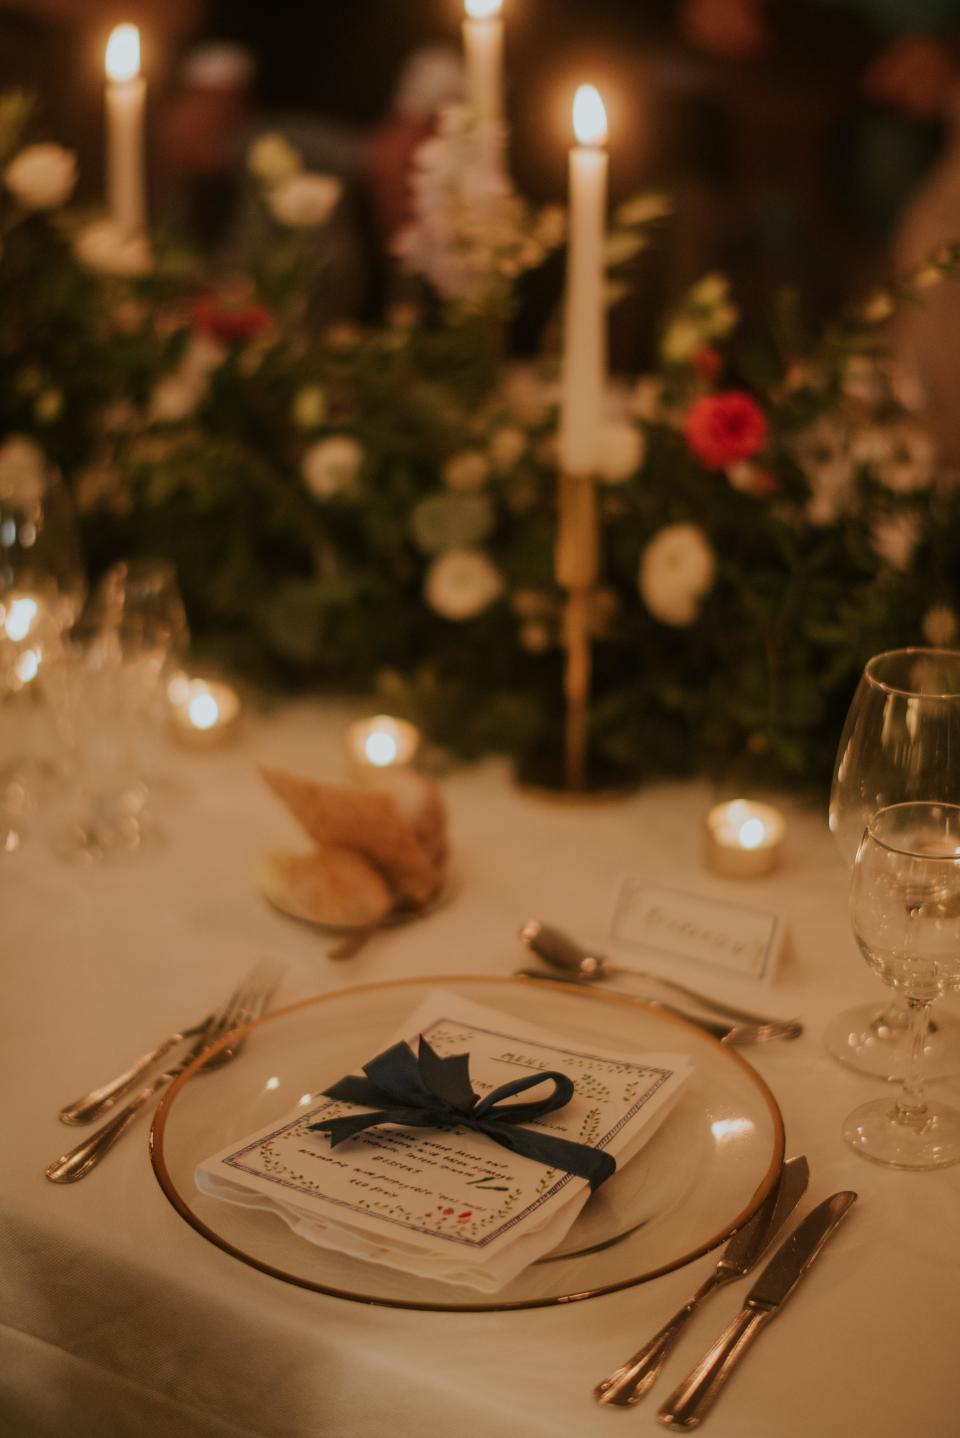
x=428, y=1091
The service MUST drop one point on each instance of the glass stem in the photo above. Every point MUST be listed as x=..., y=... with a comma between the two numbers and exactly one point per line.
x=910, y=1103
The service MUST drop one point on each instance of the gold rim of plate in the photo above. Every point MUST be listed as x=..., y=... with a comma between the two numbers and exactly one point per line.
x=179, y=1203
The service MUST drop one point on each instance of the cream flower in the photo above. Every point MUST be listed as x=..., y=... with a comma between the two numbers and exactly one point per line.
x=175, y=397
x=895, y=538
x=467, y=472
x=304, y=201
x=331, y=466
x=677, y=568
x=22, y=468
x=507, y=446
x=683, y=337
x=273, y=159
x=646, y=402
x=48, y=406
x=823, y=452
x=108, y=249
x=903, y=456
x=529, y=396
x=462, y=583
x=41, y=177
x=621, y=450
x=203, y=355
x=940, y=625
x=535, y=637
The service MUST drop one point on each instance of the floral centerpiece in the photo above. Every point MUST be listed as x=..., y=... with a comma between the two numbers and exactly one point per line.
x=377, y=509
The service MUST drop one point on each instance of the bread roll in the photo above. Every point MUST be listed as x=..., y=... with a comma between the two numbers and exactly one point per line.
x=367, y=822
x=330, y=886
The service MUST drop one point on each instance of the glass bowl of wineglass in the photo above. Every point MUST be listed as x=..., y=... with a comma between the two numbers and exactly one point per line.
x=900, y=744
x=905, y=911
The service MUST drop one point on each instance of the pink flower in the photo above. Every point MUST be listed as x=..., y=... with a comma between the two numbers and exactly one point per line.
x=721, y=429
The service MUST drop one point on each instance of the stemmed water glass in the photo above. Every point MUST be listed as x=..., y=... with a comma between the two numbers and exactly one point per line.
x=905, y=910
x=133, y=632
x=42, y=587
x=900, y=743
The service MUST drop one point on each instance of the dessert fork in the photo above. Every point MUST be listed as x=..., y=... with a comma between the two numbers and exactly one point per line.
x=245, y=1004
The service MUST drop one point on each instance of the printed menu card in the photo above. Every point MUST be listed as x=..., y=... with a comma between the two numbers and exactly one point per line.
x=451, y=1204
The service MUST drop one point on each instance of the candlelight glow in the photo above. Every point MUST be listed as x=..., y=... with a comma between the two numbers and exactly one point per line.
x=20, y=618
x=381, y=749
x=752, y=833
x=204, y=711
x=482, y=9
x=589, y=116
x=123, y=53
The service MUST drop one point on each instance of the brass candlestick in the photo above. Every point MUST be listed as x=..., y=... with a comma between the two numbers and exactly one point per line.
x=577, y=563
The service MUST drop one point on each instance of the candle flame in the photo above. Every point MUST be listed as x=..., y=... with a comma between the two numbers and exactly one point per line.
x=20, y=618
x=380, y=748
x=204, y=711
x=752, y=833
x=482, y=9
x=123, y=53
x=589, y=116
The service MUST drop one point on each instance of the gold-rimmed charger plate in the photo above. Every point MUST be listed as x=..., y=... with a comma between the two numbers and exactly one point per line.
x=703, y=1174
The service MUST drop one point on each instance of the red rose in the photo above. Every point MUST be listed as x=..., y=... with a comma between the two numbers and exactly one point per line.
x=707, y=363
x=230, y=322
x=723, y=428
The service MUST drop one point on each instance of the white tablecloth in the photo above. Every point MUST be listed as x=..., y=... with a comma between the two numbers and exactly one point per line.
x=118, y=1319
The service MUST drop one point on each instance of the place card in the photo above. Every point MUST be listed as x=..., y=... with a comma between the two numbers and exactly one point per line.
x=451, y=1204
x=669, y=924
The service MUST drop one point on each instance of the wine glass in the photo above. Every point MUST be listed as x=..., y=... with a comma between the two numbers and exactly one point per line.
x=900, y=743
x=132, y=633
x=905, y=910
x=42, y=587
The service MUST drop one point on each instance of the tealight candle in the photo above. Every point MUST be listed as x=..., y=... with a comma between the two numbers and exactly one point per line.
x=204, y=713
x=382, y=742
x=743, y=839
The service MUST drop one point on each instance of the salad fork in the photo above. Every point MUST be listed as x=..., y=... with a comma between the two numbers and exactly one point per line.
x=246, y=1003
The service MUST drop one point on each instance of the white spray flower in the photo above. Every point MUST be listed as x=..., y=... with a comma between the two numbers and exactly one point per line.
x=331, y=466
x=462, y=583
x=304, y=201
x=621, y=450
x=108, y=249
x=677, y=568
x=466, y=472
x=895, y=538
x=273, y=159
x=41, y=177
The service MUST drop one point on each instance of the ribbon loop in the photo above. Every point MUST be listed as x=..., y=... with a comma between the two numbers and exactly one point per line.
x=427, y=1091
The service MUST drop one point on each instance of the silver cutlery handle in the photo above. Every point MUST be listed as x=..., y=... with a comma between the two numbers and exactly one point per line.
x=633, y=1379
x=692, y=1400
x=96, y=1103
x=80, y=1160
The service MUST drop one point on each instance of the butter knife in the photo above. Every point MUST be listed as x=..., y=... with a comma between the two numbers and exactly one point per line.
x=562, y=952
x=689, y=1404
x=628, y=1384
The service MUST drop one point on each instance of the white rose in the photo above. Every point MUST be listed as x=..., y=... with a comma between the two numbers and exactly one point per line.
x=273, y=159
x=677, y=569
x=507, y=446
x=646, y=402
x=462, y=583
x=621, y=450
x=467, y=472
x=22, y=468
x=175, y=397
x=940, y=626
x=303, y=202
x=41, y=177
x=331, y=466
x=108, y=249
x=895, y=538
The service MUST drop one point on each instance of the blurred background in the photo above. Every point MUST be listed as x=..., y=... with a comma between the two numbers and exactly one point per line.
x=803, y=141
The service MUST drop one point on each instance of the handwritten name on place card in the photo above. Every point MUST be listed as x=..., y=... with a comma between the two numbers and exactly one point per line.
x=675, y=924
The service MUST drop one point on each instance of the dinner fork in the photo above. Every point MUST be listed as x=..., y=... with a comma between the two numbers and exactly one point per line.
x=245, y=1004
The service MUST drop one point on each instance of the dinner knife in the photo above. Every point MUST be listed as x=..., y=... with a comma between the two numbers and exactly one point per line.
x=628, y=1384
x=562, y=952
x=694, y=1397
